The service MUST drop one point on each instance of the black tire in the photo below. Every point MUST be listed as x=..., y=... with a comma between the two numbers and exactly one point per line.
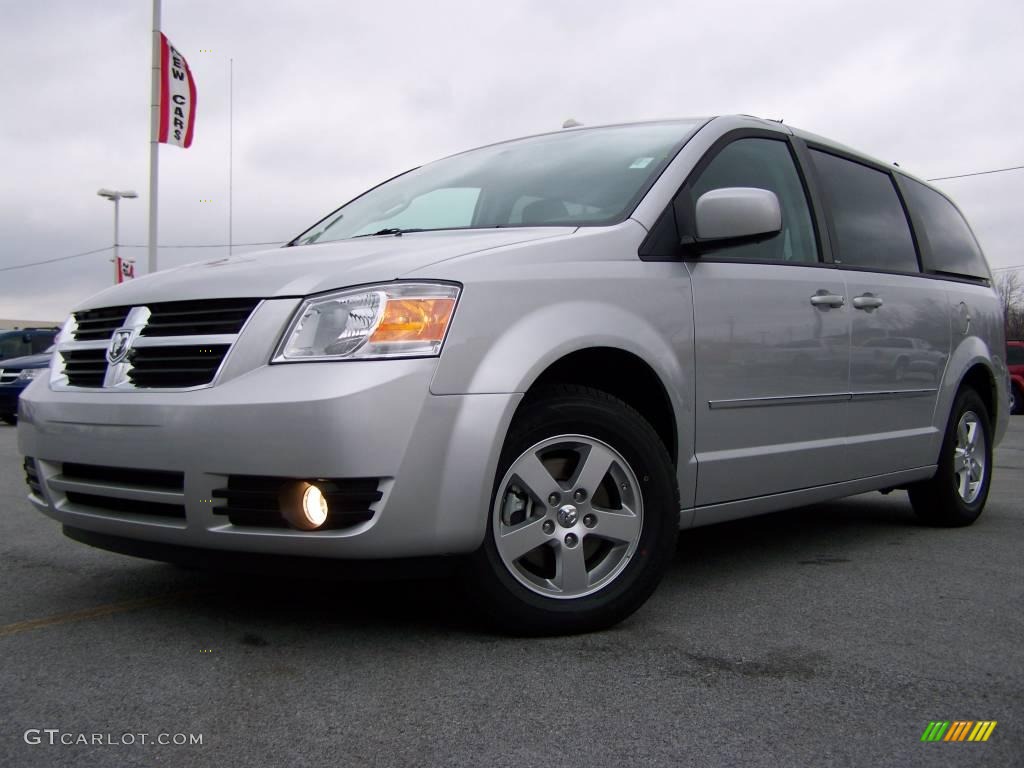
x=9, y=418
x=1017, y=399
x=937, y=501
x=575, y=410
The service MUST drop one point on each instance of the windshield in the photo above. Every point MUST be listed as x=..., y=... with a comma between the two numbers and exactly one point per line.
x=593, y=176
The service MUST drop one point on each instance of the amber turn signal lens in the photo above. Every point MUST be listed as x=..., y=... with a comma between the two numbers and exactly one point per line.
x=413, y=320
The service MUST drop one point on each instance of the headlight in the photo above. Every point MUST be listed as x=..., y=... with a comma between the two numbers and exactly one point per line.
x=27, y=374
x=382, y=321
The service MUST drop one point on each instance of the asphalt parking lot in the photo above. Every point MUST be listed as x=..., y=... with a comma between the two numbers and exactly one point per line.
x=829, y=635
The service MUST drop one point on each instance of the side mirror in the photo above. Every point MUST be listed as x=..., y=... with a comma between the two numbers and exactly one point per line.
x=737, y=212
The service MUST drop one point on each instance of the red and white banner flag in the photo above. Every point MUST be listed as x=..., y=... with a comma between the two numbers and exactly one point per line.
x=125, y=269
x=177, y=97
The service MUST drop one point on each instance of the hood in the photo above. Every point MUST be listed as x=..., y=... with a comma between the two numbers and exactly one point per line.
x=28, y=361
x=308, y=269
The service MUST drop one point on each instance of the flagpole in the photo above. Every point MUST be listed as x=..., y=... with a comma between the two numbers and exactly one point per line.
x=231, y=138
x=154, y=137
x=117, y=260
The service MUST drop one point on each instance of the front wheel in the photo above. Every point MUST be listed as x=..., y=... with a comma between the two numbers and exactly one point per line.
x=584, y=517
x=956, y=494
x=1016, y=399
x=9, y=418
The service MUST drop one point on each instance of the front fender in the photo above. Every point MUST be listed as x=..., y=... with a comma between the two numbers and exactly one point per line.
x=516, y=358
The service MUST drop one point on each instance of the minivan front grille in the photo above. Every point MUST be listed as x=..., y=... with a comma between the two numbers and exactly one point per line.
x=185, y=366
x=99, y=324
x=85, y=367
x=166, y=345
x=198, y=318
x=252, y=501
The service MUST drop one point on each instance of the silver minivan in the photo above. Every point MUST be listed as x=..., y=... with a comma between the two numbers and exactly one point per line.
x=545, y=356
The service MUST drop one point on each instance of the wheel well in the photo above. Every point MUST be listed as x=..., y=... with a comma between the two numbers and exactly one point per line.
x=623, y=375
x=981, y=381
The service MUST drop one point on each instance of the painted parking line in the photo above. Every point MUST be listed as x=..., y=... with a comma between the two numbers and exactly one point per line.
x=92, y=613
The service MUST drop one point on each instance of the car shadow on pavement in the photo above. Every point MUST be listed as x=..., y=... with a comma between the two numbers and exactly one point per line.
x=820, y=535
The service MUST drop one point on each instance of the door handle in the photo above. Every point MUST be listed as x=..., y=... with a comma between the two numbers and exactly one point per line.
x=825, y=299
x=867, y=302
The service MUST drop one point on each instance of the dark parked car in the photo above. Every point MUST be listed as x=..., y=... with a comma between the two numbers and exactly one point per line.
x=25, y=341
x=1015, y=362
x=16, y=374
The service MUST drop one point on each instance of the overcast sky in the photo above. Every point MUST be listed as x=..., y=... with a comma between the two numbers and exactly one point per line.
x=333, y=96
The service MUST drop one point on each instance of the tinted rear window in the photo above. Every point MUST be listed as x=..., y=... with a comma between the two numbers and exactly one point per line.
x=871, y=226
x=1015, y=355
x=951, y=245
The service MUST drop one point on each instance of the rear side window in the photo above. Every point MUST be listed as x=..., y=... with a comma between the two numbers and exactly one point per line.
x=871, y=226
x=951, y=245
x=1015, y=355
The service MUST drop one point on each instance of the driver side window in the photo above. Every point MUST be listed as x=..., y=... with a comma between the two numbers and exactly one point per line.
x=764, y=164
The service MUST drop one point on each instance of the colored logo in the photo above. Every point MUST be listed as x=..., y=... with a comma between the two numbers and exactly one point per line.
x=958, y=730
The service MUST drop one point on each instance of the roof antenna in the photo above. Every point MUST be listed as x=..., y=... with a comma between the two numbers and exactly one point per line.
x=572, y=123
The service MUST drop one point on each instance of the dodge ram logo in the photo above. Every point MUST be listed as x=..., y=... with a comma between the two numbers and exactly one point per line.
x=120, y=345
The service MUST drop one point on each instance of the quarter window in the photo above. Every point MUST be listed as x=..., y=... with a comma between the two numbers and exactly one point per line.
x=870, y=224
x=764, y=164
x=951, y=244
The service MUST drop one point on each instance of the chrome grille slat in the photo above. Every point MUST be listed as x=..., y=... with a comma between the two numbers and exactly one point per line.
x=99, y=324
x=85, y=367
x=215, y=316
x=175, y=366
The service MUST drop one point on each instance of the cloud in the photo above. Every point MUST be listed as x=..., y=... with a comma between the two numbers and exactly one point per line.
x=333, y=97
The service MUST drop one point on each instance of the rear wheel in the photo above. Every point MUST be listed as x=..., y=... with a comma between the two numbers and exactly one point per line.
x=584, y=517
x=956, y=495
x=1016, y=399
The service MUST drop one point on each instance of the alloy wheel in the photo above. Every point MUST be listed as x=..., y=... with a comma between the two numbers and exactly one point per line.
x=969, y=457
x=567, y=516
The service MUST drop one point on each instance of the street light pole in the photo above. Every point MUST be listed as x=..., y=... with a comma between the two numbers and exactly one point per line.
x=115, y=197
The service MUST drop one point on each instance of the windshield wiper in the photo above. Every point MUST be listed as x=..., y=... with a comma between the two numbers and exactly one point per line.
x=386, y=231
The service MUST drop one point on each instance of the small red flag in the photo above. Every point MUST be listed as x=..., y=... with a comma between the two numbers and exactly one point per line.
x=125, y=269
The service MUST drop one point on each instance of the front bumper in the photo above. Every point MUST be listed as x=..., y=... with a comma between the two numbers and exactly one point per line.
x=435, y=456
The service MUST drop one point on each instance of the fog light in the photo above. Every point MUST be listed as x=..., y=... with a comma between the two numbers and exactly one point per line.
x=303, y=506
